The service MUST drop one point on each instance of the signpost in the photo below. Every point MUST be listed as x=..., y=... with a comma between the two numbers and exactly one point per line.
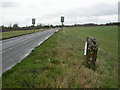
x=33, y=21
x=90, y=51
x=62, y=21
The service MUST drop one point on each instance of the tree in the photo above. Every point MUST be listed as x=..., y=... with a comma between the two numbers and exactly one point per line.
x=51, y=26
x=15, y=27
x=39, y=26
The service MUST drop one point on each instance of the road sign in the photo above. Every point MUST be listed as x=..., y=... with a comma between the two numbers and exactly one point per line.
x=62, y=19
x=33, y=21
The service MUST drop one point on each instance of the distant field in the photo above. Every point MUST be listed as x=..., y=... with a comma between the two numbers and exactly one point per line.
x=9, y=34
x=59, y=62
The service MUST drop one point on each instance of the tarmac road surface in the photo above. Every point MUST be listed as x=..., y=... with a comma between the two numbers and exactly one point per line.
x=15, y=49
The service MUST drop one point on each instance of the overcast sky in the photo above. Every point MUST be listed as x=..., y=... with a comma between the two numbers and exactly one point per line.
x=50, y=11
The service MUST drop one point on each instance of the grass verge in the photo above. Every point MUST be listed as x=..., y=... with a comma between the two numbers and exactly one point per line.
x=59, y=62
x=11, y=34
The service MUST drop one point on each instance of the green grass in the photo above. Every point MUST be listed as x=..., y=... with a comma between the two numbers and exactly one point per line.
x=59, y=62
x=10, y=34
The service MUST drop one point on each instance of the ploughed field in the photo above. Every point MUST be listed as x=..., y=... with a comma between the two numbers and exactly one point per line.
x=59, y=61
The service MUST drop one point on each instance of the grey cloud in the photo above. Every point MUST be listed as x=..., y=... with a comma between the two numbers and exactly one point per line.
x=8, y=4
x=87, y=14
x=102, y=9
x=96, y=10
x=78, y=14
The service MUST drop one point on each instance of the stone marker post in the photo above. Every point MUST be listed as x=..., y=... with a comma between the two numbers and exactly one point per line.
x=90, y=51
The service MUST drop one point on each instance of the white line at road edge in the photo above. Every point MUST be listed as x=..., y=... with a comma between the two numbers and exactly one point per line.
x=28, y=53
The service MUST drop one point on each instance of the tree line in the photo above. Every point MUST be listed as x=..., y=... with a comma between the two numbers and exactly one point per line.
x=17, y=27
x=40, y=26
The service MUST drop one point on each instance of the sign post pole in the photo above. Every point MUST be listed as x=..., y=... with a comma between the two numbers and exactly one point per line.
x=62, y=21
x=33, y=23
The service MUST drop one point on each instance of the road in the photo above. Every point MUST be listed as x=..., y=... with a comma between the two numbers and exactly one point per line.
x=15, y=49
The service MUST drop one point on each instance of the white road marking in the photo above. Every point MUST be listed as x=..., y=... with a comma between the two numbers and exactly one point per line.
x=16, y=45
x=29, y=51
x=9, y=67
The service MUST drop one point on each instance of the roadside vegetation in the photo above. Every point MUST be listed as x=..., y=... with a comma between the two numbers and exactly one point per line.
x=10, y=34
x=59, y=61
